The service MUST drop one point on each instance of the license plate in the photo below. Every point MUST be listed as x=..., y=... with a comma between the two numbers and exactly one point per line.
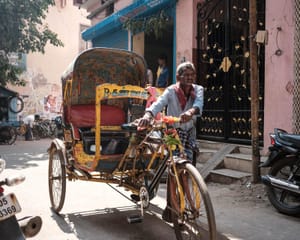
x=9, y=206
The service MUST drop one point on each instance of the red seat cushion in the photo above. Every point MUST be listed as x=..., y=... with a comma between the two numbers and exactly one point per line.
x=84, y=116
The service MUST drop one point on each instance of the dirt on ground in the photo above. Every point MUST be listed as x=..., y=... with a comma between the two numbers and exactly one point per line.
x=240, y=192
x=243, y=212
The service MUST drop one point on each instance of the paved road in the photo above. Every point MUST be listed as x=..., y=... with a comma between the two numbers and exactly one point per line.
x=92, y=211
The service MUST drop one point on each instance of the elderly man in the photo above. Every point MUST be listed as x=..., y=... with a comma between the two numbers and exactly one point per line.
x=183, y=99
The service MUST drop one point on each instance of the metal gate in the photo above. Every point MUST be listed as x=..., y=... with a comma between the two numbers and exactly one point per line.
x=224, y=70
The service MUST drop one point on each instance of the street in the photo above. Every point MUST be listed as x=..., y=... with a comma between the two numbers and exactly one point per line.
x=94, y=211
x=91, y=210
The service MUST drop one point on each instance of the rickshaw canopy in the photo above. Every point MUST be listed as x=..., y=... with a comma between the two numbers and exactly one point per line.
x=96, y=66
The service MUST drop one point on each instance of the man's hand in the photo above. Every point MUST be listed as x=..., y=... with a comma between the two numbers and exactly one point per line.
x=187, y=115
x=144, y=122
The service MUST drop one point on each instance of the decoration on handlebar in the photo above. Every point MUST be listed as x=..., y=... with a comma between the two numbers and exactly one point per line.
x=171, y=138
x=170, y=119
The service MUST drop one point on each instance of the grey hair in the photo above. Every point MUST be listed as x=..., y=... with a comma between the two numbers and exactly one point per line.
x=185, y=65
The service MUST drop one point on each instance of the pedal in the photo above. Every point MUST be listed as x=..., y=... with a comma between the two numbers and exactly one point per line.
x=135, y=219
x=143, y=197
x=135, y=197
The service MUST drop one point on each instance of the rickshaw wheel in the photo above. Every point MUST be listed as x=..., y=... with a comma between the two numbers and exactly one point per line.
x=56, y=179
x=198, y=219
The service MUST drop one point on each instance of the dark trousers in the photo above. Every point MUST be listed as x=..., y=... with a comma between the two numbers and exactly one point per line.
x=28, y=134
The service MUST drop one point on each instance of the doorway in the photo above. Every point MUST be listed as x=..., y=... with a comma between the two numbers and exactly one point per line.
x=156, y=46
x=224, y=70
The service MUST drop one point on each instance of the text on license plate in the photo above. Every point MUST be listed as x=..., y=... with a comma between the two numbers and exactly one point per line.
x=9, y=206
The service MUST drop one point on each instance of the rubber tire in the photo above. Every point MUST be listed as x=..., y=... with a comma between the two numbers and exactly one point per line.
x=282, y=208
x=194, y=173
x=57, y=203
x=11, y=132
x=14, y=136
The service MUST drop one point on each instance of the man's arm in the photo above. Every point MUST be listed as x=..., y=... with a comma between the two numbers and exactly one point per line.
x=197, y=107
x=160, y=103
x=199, y=99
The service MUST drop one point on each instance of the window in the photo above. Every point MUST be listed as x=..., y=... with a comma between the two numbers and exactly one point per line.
x=110, y=9
x=83, y=45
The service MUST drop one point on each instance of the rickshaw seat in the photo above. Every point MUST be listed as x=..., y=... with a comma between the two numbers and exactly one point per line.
x=81, y=116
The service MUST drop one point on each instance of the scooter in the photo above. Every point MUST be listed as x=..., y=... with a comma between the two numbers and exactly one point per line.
x=283, y=179
x=10, y=227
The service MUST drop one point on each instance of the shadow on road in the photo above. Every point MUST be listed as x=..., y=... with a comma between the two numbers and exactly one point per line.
x=23, y=160
x=111, y=223
x=24, y=154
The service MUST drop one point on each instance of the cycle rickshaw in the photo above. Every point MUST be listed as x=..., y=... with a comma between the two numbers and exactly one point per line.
x=103, y=96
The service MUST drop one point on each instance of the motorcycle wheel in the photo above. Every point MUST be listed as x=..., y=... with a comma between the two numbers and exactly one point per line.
x=8, y=135
x=284, y=201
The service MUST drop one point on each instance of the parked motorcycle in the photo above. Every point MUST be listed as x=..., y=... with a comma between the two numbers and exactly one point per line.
x=10, y=227
x=283, y=179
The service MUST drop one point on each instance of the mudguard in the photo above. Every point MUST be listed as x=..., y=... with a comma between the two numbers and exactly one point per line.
x=274, y=155
x=60, y=146
x=10, y=229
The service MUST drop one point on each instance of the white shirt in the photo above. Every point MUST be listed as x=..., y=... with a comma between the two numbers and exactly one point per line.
x=29, y=119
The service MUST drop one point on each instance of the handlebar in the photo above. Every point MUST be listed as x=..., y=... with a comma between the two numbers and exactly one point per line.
x=133, y=126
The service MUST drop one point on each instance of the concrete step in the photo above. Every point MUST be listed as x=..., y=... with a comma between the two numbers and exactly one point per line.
x=216, y=161
x=227, y=176
x=205, y=154
x=239, y=162
x=199, y=166
x=244, y=149
x=205, y=144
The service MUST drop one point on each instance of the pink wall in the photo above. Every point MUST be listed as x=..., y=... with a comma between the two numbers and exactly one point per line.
x=278, y=69
x=184, y=30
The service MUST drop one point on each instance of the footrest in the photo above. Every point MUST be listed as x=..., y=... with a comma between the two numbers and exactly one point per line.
x=129, y=127
x=135, y=219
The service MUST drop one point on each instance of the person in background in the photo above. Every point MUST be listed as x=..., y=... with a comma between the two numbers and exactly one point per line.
x=184, y=100
x=162, y=75
x=28, y=121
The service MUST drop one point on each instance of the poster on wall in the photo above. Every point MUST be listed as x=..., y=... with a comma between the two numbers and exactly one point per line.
x=52, y=106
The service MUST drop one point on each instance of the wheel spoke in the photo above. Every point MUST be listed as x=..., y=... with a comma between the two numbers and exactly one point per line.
x=197, y=220
x=57, y=180
x=282, y=196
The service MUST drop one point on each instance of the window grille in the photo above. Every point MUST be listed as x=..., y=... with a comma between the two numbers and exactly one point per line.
x=296, y=89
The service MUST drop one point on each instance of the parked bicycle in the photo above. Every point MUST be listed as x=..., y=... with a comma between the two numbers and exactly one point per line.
x=43, y=128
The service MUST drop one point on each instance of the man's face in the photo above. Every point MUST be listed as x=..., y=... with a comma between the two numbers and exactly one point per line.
x=161, y=62
x=187, y=78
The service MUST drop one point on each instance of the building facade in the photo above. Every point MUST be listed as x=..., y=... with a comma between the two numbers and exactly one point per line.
x=42, y=94
x=214, y=34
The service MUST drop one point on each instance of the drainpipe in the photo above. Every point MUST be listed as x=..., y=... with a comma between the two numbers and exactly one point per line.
x=296, y=94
